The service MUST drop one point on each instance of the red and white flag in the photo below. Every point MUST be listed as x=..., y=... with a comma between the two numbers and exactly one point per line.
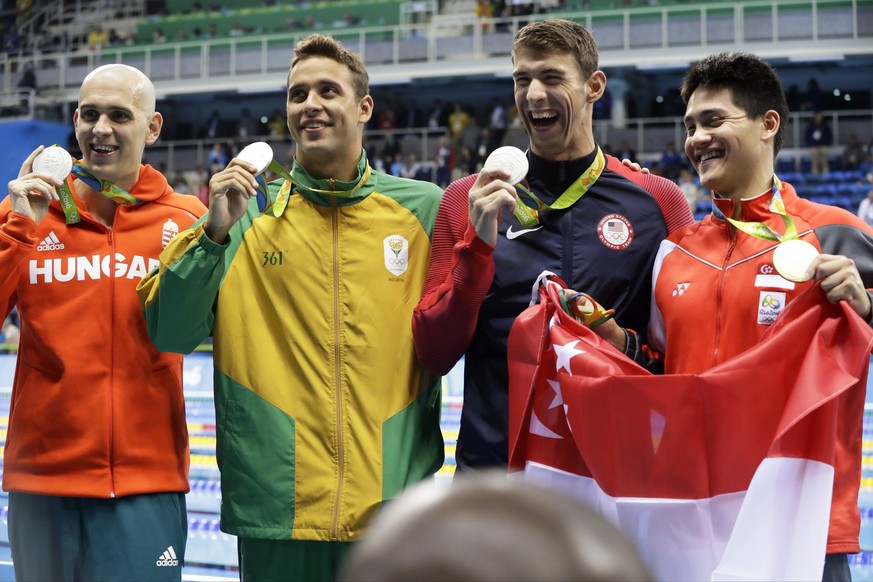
x=725, y=475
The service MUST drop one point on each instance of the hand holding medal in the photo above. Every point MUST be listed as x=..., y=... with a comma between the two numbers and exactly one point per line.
x=509, y=159
x=54, y=161
x=39, y=181
x=792, y=259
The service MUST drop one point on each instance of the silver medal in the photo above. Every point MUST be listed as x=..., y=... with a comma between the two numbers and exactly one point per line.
x=55, y=161
x=510, y=159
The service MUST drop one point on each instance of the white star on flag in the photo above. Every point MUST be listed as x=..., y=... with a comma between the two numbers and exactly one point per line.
x=564, y=353
x=558, y=398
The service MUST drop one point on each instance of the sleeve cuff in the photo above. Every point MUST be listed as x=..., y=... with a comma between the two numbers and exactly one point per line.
x=211, y=247
x=475, y=244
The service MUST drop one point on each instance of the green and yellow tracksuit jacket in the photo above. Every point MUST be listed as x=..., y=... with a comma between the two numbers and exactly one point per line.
x=322, y=410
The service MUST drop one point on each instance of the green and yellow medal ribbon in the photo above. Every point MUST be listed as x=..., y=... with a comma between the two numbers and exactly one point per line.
x=277, y=206
x=528, y=215
x=104, y=187
x=761, y=230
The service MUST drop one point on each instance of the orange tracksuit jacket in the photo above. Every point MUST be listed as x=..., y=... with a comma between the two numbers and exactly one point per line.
x=96, y=410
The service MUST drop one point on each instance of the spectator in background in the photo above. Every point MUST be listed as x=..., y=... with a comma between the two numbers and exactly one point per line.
x=484, y=12
x=246, y=127
x=814, y=100
x=97, y=38
x=391, y=147
x=444, y=158
x=11, y=332
x=217, y=158
x=277, y=126
x=865, y=209
x=27, y=84
x=413, y=169
x=853, y=153
x=180, y=184
x=158, y=36
x=498, y=124
x=459, y=121
x=819, y=139
x=672, y=162
x=212, y=127
x=625, y=151
x=691, y=188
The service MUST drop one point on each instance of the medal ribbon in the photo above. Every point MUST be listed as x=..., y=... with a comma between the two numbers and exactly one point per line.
x=761, y=230
x=528, y=215
x=277, y=207
x=104, y=187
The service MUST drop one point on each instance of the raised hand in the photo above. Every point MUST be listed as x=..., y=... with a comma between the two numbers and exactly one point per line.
x=229, y=194
x=31, y=192
x=490, y=195
x=841, y=281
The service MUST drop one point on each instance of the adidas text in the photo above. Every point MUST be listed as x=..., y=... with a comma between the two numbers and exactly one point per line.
x=50, y=243
x=168, y=558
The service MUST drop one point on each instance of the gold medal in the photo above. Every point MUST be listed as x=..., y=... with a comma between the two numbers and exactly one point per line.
x=792, y=259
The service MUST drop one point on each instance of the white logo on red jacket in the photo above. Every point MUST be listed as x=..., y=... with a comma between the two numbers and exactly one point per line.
x=50, y=243
x=170, y=230
x=89, y=268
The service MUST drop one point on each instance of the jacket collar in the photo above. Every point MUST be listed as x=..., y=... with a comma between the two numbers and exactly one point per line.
x=318, y=191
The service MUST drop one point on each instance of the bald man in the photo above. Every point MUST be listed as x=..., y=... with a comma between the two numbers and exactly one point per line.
x=96, y=457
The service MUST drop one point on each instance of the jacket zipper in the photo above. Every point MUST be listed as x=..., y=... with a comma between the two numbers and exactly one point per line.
x=720, y=295
x=112, y=358
x=340, y=455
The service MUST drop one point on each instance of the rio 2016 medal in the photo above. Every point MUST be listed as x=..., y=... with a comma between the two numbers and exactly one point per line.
x=258, y=154
x=511, y=159
x=54, y=161
x=792, y=259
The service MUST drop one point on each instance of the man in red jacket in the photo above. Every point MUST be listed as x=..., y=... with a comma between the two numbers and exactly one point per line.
x=96, y=456
x=719, y=284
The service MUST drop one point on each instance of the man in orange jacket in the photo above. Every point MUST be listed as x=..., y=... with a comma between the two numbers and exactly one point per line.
x=96, y=457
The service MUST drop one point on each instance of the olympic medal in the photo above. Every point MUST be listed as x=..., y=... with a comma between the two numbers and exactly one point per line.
x=792, y=258
x=258, y=154
x=510, y=159
x=55, y=161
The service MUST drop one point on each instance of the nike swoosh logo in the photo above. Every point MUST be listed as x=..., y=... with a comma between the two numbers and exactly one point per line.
x=511, y=234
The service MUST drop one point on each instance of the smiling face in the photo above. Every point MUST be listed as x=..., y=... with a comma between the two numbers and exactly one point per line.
x=326, y=118
x=114, y=122
x=555, y=102
x=731, y=152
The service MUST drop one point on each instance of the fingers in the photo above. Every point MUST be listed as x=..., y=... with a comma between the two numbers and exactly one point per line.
x=27, y=166
x=635, y=166
x=238, y=176
x=30, y=184
x=841, y=281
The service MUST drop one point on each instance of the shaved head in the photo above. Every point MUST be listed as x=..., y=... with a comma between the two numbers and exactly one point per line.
x=126, y=76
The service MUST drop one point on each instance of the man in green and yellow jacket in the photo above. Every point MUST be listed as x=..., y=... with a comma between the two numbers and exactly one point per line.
x=323, y=411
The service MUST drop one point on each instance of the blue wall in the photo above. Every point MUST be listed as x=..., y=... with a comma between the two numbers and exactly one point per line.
x=19, y=138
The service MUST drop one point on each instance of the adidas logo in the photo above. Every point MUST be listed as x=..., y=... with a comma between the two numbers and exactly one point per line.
x=168, y=558
x=50, y=243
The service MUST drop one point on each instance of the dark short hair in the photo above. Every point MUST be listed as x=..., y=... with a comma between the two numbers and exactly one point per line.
x=753, y=84
x=557, y=35
x=319, y=45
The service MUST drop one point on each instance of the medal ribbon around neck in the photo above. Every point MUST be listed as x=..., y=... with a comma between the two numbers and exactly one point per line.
x=528, y=216
x=277, y=207
x=104, y=187
x=761, y=230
